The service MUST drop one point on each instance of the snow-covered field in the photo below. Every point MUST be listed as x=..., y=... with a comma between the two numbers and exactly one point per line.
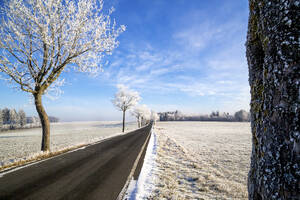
x=20, y=144
x=202, y=160
x=184, y=160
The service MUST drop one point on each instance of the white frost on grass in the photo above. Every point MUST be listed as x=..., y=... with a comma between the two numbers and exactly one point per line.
x=25, y=144
x=202, y=160
x=143, y=187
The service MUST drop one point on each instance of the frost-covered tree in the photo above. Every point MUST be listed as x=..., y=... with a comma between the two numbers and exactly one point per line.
x=124, y=100
x=22, y=118
x=146, y=116
x=154, y=116
x=137, y=113
x=141, y=112
x=13, y=117
x=273, y=54
x=177, y=115
x=5, y=115
x=241, y=116
x=40, y=39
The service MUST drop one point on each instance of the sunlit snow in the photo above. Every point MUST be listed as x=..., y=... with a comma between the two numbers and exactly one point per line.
x=143, y=187
x=202, y=160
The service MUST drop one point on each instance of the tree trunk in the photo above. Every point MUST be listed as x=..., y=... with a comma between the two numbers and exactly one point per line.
x=273, y=56
x=44, y=121
x=123, y=121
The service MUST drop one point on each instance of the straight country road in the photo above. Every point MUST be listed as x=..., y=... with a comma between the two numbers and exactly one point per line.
x=97, y=172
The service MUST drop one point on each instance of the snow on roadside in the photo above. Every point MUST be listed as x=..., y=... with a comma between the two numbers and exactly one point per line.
x=177, y=175
x=19, y=145
x=198, y=160
x=143, y=187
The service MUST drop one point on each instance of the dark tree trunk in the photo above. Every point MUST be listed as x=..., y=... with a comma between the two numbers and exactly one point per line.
x=273, y=56
x=123, y=121
x=44, y=121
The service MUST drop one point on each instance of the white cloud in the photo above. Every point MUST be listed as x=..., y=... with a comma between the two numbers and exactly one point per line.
x=196, y=37
x=161, y=71
x=144, y=66
x=206, y=60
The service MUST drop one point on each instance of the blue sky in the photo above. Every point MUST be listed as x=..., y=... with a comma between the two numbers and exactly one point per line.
x=178, y=54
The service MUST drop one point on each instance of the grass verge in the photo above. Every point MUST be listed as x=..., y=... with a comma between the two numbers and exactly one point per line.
x=38, y=157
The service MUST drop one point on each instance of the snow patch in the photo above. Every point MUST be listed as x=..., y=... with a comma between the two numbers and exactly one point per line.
x=143, y=187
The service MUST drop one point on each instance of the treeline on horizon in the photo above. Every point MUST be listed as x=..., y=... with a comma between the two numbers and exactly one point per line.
x=239, y=116
x=11, y=119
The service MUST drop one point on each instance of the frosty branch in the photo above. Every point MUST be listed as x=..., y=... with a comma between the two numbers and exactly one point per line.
x=142, y=114
x=124, y=100
x=40, y=39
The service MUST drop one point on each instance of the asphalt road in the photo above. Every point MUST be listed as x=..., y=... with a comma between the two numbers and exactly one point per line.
x=97, y=172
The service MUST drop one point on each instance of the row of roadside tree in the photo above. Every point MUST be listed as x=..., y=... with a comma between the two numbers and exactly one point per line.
x=127, y=99
x=144, y=115
x=12, y=119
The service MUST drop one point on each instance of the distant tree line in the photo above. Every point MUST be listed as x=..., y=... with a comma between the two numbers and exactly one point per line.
x=11, y=119
x=239, y=116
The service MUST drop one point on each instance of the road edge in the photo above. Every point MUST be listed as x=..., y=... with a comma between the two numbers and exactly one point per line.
x=133, y=169
x=42, y=158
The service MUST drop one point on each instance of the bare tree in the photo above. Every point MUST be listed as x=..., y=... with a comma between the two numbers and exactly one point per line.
x=124, y=100
x=273, y=54
x=41, y=39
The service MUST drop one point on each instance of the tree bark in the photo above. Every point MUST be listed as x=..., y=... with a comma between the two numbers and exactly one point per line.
x=139, y=122
x=273, y=54
x=123, y=121
x=44, y=121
